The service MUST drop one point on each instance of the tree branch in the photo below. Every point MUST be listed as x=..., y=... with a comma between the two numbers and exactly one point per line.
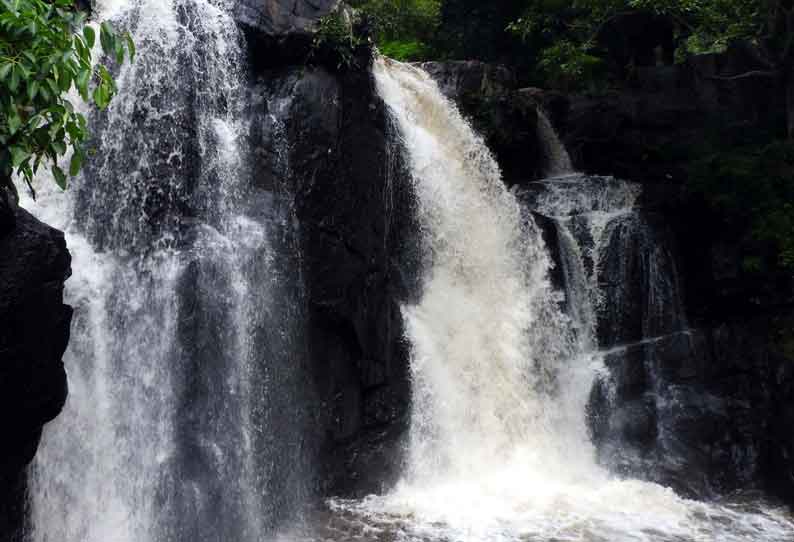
x=768, y=74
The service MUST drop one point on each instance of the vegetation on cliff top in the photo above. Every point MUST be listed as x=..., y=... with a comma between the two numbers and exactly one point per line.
x=566, y=41
x=45, y=51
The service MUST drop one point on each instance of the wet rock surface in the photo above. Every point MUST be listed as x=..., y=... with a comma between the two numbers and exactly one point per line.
x=352, y=200
x=34, y=331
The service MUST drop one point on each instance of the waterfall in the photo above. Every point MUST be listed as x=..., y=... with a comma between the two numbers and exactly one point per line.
x=499, y=447
x=182, y=359
x=557, y=158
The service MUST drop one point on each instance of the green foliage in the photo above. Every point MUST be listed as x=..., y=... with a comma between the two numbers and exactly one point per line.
x=564, y=64
x=406, y=51
x=336, y=40
x=753, y=189
x=46, y=50
x=404, y=29
x=562, y=36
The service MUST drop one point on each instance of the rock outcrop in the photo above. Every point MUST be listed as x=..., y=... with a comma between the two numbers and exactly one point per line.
x=281, y=18
x=344, y=176
x=281, y=32
x=34, y=331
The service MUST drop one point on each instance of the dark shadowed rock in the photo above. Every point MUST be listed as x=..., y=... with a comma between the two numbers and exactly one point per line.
x=34, y=331
x=342, y=171
x=280, y=18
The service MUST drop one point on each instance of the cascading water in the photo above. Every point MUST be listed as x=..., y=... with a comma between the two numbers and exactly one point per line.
x=182, y=351
x=499, y=446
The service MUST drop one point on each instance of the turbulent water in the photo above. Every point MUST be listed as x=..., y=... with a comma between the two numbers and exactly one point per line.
x=183, y=357
x=499, y=449
x=185, y=419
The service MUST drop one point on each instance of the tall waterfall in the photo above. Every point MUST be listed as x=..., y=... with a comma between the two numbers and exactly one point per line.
x=181, y=356
x=499, y=447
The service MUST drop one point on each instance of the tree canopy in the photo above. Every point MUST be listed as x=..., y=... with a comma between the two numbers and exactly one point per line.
x=45, y=51
x=562, y=41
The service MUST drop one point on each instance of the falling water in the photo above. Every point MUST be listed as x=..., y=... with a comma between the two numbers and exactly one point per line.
x=498, y=447
x=558, y=162
x=177, y=362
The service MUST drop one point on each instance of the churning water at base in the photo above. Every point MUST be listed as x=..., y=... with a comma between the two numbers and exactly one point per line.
x=498, y=447
x=183, y=345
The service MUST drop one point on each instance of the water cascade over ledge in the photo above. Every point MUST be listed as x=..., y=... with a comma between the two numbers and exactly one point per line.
x=184, y=346
x=503, y=363
x=190, y=413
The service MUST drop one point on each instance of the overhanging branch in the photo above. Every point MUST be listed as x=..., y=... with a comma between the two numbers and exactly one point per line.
x=755, y=74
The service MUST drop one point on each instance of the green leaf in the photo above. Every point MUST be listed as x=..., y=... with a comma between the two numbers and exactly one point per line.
x=33, y=90
x=107, y=38
x=14, y=122
x=60, y=176
x=130, y=45
x=90, y=36
x=59, y=147
x=18, y=155
x=75, y=164
x=15, y=76
x=81, y=81
x=4, y=70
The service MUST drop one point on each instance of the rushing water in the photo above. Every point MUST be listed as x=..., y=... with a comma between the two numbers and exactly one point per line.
x=183, y=345
x=185, y=353
x=499, y=449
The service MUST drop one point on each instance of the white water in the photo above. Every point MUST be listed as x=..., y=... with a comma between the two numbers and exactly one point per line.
x=163, y=436
x=558, y=159
x=498, y=445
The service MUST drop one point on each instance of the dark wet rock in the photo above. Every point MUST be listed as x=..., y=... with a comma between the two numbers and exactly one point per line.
x=282, y=32
x=279, y=18
x=651, y=128
x=350, y=195
x=703, y=411
x=34, y=331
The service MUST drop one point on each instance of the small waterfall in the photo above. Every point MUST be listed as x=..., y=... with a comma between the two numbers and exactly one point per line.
x=184, y=358
x=558, y=161
x=499, y=447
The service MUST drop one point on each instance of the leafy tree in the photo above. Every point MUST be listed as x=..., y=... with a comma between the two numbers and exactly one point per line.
x=476, y=29
x=404, y=29
x=751, y=188
x=46, y=50
x=564, y=35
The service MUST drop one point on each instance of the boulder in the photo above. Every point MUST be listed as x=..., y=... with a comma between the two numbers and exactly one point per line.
x=280, y=18
x=34, y=332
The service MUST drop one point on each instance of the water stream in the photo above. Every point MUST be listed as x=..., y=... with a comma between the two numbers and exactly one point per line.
x=499, y=448
x=184, y=349
x=185, y=420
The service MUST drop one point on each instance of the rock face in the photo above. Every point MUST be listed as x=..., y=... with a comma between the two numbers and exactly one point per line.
x=280, y=32
x=330, y=152
x=651, y=129
x=34, y=331
x=283, y=17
